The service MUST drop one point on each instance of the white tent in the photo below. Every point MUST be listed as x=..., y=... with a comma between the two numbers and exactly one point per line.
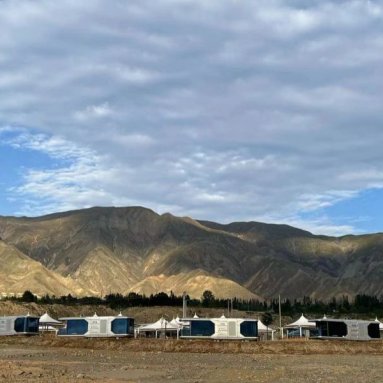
x=177, y=323
x=302, y=324
x=47, y=323
x=161, y=326
x=195, y=316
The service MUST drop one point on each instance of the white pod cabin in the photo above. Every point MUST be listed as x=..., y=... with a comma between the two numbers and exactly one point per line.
x=346, y=329
x=221, y=328
x=98, y=326
x=19, y=325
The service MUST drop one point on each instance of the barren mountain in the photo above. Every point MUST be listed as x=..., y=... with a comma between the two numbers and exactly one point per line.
x=134, y=249
x=19, y=272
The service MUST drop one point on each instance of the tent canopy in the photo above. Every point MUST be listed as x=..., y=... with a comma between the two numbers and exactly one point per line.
x=176, y=323
x=47, y=320
x=302, y=322
x=161, y=324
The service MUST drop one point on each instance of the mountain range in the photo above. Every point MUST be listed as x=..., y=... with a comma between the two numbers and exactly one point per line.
x=105, y=250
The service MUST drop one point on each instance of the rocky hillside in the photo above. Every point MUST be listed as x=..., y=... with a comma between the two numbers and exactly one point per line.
x=18, y=271
x=102, y=250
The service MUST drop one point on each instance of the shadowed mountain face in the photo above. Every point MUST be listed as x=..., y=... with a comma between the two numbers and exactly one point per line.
x=18, y=271
x=103, y=250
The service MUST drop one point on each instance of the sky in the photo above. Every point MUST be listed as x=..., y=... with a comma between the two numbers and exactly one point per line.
x=226, y=110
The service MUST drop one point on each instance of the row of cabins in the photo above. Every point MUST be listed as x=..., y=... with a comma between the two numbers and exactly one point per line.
x=215, y=328
x=190, y=328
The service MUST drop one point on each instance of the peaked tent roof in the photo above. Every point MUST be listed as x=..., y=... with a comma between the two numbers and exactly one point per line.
x=46, y=319
x=176, y=323
x=301, y=322
x=161, y=324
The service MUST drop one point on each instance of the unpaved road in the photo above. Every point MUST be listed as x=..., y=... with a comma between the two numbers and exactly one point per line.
x=42, y=360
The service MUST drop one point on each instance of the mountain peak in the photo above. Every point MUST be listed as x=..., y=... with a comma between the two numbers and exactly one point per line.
x=117, y=249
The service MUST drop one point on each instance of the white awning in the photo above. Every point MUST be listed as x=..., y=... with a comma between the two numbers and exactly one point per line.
x=177, y=323
x=47, y=320
x=302, y=322
x=161, y=324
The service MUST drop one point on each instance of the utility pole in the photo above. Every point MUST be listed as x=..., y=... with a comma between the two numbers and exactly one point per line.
x=184, y=305
x=280, y=315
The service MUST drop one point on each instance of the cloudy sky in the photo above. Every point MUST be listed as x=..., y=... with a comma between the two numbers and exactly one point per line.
x=225, y=110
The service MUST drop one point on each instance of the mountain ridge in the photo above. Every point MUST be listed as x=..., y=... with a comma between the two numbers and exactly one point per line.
x=119, y=248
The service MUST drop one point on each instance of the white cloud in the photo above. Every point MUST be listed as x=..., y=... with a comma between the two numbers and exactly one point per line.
x=322, y=225
x=135, y=75
x=54, y=146
x=94, y=111
x=221, y=110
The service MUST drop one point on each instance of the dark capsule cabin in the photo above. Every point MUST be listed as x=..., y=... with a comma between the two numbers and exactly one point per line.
x=221, y=328
x=19, y=325
x=347, y=329
x=98, y=326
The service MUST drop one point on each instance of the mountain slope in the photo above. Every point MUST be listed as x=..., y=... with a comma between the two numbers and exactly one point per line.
x=18, y=273
x=122, y=249
x=194, y=283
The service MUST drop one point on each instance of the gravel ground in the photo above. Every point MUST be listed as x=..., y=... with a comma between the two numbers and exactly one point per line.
x=34, y=360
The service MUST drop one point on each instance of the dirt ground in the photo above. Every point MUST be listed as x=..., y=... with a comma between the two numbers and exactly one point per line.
x=51, y=359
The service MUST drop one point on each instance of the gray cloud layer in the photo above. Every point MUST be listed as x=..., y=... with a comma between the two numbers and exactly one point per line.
x=223, y=110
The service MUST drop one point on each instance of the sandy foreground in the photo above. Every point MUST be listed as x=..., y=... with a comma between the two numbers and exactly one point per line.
x=49, y=359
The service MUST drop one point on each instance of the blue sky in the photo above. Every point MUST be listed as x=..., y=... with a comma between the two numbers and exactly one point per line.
x=223, y=110
x=14, y=162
